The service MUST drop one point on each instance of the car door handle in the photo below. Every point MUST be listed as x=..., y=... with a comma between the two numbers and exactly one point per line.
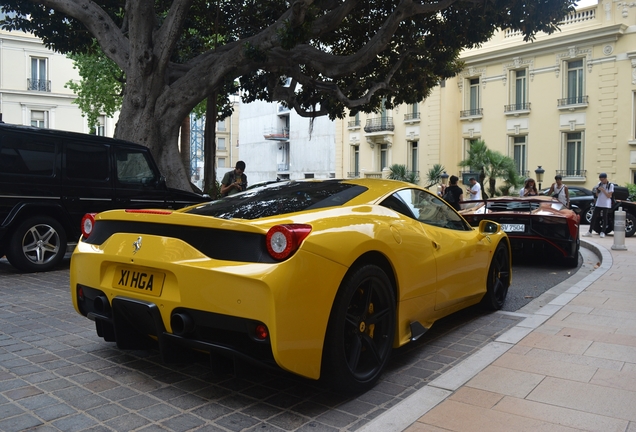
x=435, y=244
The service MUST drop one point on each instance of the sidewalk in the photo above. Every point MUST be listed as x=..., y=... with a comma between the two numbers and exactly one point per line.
x=569, y=366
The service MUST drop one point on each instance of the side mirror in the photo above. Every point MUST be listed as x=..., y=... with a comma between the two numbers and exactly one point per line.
x=488, y=227
x=162, y=182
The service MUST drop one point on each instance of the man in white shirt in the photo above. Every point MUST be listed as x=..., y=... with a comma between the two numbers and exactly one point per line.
x=604, y=191
x=475, y=189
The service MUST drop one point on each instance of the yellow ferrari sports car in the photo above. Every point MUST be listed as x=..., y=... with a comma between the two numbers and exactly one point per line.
x=319, y=278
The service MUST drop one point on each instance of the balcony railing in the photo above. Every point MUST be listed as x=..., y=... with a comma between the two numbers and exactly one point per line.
x=411, y=116
x=572, y=173
x=574, y=100
x=379, y=124
x=354, y=174
x=476, y=112
x=517, y=107
x=39, y=85
x=369, y=174
x=354, y=123
x=276, y=134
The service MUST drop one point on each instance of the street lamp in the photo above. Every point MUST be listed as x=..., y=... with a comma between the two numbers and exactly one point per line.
x=444, y=178
x=539, y=172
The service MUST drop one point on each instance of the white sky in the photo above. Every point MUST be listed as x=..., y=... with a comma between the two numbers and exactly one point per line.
x=584, y=3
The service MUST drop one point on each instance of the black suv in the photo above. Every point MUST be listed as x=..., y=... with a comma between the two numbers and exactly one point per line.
x=50, y=179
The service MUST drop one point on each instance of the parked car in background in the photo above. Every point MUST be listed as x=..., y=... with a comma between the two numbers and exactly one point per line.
x=319, y=278
x=50, y=179
x=536, y=225
x=581, y=197
x=630, y=217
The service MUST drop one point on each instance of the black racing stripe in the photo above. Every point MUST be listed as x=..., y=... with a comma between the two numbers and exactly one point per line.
x=213, y=243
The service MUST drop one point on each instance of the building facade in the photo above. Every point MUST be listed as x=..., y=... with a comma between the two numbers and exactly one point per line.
x=32, y=91
x=565, y=102
x=276, y=142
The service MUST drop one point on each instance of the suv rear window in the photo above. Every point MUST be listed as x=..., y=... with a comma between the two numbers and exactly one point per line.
x=30, y=158
x=280, y=198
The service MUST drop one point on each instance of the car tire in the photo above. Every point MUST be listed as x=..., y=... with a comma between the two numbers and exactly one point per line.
x=610, y=223
x=498, y=280
x=630, y=227
x=361, y=330
x=587, y=216
x=38, y=244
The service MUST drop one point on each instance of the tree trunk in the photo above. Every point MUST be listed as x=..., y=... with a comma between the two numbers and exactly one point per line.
x=185, y=146
x=209, y=147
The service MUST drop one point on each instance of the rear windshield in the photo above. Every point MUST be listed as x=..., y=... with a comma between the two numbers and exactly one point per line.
x=513, y=205
x=280, y=198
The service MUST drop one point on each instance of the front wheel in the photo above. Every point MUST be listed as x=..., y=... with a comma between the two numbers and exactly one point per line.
x=630, y=228
x=38, y=244
x=498, y=279
x=361, y=329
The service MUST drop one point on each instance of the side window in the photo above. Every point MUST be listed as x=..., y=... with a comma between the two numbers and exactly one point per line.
x=430, y=210
x=133, y=167
x=18, y=156
x=85, y=161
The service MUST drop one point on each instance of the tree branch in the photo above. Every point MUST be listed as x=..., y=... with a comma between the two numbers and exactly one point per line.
x=98, y=23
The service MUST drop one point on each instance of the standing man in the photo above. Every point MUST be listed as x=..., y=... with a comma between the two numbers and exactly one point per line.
x=604, y=191
x=560, y=191
x=475, y=189
x=234, y=181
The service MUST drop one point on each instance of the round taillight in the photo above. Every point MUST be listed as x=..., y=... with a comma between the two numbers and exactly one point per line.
x=261, y=332
x=283, y=240
x=88, y=222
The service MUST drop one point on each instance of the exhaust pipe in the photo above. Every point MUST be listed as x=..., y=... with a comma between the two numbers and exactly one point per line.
x=101, y=305
x=181, y=324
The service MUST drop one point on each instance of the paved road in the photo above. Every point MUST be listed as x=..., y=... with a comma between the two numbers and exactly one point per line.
x=56, y=374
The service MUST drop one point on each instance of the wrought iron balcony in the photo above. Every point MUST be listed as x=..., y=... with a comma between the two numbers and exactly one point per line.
x=517, y=107
x=379, y=124
x=39, y=85
x=574, y=100
x=572, y=173
x=475, y=112
x=276, y=134
x=412, y=116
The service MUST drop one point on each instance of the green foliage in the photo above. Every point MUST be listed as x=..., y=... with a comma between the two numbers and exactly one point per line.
x=313, y=42
x=434, y=175
x=100, y=88
x=632, y=191
x=492, y=164
x=400, y=172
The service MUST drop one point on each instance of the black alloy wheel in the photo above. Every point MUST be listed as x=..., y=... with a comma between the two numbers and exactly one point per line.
x=630, y=228
x=361, y=330
x=38, y=244
x=498, y=279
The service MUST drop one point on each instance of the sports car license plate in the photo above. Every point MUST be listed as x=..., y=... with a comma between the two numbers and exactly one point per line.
x=513, y=227
x=139, y=280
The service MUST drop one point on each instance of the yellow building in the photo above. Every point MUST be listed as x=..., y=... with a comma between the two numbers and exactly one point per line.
x=565, y=102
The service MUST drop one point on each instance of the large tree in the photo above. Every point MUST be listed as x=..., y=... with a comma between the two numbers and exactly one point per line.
x=352, y=54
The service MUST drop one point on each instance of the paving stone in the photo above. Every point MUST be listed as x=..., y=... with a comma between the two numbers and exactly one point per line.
x=74, y=423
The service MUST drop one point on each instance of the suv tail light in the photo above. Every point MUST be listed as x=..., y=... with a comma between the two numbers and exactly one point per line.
x=283, y=240
x=88, y=222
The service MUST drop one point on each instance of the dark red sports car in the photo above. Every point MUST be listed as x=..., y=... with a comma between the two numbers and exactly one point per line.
x=537, y=226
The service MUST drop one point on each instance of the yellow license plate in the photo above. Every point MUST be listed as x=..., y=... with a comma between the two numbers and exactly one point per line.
x=139, y=280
